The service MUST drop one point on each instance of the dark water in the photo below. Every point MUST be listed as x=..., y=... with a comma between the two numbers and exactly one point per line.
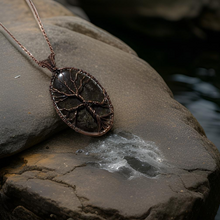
x=189, y=65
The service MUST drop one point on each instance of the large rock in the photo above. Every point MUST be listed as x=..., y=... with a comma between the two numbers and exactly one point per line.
x=62, y=179
x=27, y=113
x=156, y=163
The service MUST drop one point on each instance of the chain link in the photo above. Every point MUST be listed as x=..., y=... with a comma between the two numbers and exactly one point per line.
x=37, y=17
x=20, y=45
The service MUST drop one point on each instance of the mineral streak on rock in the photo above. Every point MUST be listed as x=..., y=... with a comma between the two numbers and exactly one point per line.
x=127, y=154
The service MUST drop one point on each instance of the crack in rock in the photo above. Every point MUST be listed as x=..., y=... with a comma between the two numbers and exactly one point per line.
x=82, y=165
x=196, y=169
x=28, y=189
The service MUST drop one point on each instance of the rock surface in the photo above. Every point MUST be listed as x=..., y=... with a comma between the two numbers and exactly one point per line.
x=79, y=177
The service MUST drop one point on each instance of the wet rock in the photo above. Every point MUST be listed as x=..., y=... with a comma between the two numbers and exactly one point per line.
x=59, y=183
x=176, y=176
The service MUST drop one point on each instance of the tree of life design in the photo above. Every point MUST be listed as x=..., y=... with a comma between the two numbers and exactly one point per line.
x=81, y=102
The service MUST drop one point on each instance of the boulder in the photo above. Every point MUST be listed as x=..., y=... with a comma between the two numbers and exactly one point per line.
x=28, y=116
x=156, y=163
x=72, y=176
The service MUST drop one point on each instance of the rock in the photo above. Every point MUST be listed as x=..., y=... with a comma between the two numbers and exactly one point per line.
x=162, y=19
x=21, y=212
x=155, y=164
x=55, y=181
x=27, y=116
x=27, y=122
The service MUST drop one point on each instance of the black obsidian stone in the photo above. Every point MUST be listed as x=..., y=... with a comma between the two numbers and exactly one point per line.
x=81, y=102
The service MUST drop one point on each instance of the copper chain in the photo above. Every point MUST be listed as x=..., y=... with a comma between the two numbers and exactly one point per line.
x=37, y=17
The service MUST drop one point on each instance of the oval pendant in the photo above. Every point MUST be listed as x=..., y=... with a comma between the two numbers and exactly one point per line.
x=81, y=102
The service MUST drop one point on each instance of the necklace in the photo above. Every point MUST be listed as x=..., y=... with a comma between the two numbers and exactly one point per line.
x=78, y=98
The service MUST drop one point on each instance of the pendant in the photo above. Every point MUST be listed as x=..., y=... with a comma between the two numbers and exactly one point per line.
x=80, y=100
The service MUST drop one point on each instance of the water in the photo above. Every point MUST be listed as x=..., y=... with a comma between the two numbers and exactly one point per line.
x=202, y=99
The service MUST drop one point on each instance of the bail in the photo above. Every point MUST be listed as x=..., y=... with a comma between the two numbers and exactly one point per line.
x=49, y=63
